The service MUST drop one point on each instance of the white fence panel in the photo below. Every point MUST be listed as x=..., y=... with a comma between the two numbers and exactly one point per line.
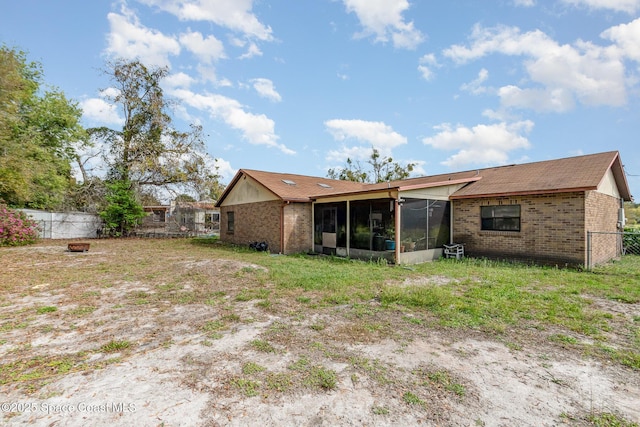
x=65, y=225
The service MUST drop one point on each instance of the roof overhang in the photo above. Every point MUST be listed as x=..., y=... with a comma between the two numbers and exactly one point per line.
x=617, y=168
x=523, y=193
x=439, y=183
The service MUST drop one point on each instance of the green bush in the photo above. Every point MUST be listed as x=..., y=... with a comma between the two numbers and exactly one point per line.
x=15, y=228
x=631, y=241
x=122, y=212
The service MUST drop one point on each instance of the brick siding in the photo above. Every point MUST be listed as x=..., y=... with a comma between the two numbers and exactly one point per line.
x=552, y=229
x=602, y=216
x=262, y=221
x=297, y=228
x=253, y=222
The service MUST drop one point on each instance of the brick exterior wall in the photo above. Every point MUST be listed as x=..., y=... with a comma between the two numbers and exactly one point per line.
x=298, y=223
x=262, y=221
x=552, y=229
x=253, y=222
x=602, y=216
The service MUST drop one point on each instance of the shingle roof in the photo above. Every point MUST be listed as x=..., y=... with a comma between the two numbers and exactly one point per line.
x=296, y=188
x=579, y=173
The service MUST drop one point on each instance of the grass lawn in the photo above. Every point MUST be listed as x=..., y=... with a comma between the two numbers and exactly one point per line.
x=47, y=292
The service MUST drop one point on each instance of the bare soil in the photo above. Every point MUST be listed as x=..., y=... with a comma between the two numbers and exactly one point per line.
x=153, y=352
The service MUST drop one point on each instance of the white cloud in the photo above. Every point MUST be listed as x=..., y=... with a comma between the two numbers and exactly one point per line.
x=235, y=15
x=357, y=153
x=225, y=170
x=628, y=6
x=376, y=134
x=252, y=50
x=504, y=40
x=592, y=74
x=265, y=88
x=100, y=111
x=258, y=129
x=627, y=39
x=475, y=87
x=383, y=18
x=426, y=63
x=524, y=3
x=178, y=80
x=208, y=74
x=481, y=144
x=129, y=39
x=207, y=49
x=557, y=100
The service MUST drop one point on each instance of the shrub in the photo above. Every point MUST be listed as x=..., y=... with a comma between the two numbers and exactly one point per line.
x=16, y=228
x=631, y=240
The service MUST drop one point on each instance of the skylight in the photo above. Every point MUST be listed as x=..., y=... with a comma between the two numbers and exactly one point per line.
x=289, y=182
x=323, y=185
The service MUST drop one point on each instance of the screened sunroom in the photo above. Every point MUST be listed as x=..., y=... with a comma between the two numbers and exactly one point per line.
x=403, y=227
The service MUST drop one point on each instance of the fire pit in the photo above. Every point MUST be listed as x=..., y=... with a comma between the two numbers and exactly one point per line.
x=78, y=247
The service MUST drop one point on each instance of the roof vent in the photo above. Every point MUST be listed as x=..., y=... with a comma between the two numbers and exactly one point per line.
x=289, y=182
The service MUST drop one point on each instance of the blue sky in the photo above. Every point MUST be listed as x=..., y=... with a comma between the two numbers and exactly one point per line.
x=299, y=86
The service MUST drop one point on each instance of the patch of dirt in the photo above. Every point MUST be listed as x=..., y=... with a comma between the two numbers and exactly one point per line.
x=215, y=357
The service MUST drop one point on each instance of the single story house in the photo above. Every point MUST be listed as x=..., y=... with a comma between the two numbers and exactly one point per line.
x=540, y=212
x=194, y=218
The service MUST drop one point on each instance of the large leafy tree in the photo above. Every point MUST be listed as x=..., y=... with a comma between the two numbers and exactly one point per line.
x=39, y=128
x=148, y=152
x=380, y=169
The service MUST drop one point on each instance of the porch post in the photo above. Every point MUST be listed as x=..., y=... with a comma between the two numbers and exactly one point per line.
x=348, y=228
x=397, y=229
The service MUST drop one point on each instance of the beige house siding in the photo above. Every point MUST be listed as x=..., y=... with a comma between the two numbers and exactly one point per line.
x=252, y=222
x=552, y=229
x=602, y=216
x=297, y=228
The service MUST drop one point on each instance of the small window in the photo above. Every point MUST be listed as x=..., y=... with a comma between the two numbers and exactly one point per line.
x=500, y=218
x=230, y=222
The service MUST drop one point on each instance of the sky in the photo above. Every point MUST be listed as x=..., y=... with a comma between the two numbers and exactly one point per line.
x=300, y=86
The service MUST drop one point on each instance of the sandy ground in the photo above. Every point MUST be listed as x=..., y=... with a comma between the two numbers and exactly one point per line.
x=178, y=374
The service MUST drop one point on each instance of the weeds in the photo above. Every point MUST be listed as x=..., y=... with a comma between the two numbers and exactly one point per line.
x=412, y=399
x=609, y=420
x=115, y=346
x=263, y=346
x=318, y=376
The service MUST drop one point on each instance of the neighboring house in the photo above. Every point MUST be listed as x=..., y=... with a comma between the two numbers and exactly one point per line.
x=180, y=218
x=155, y=222
x=194, y=217
x=540, y=212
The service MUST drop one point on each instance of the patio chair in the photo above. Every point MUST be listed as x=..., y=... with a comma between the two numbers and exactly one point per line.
x=455, y=250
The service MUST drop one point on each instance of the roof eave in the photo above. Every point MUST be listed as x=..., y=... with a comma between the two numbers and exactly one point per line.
x=439, y=183
x=621, y=178
x=522, y=193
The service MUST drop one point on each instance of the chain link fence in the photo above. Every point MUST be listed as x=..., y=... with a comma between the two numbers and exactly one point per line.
x=603, y=246
x=631, y=242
